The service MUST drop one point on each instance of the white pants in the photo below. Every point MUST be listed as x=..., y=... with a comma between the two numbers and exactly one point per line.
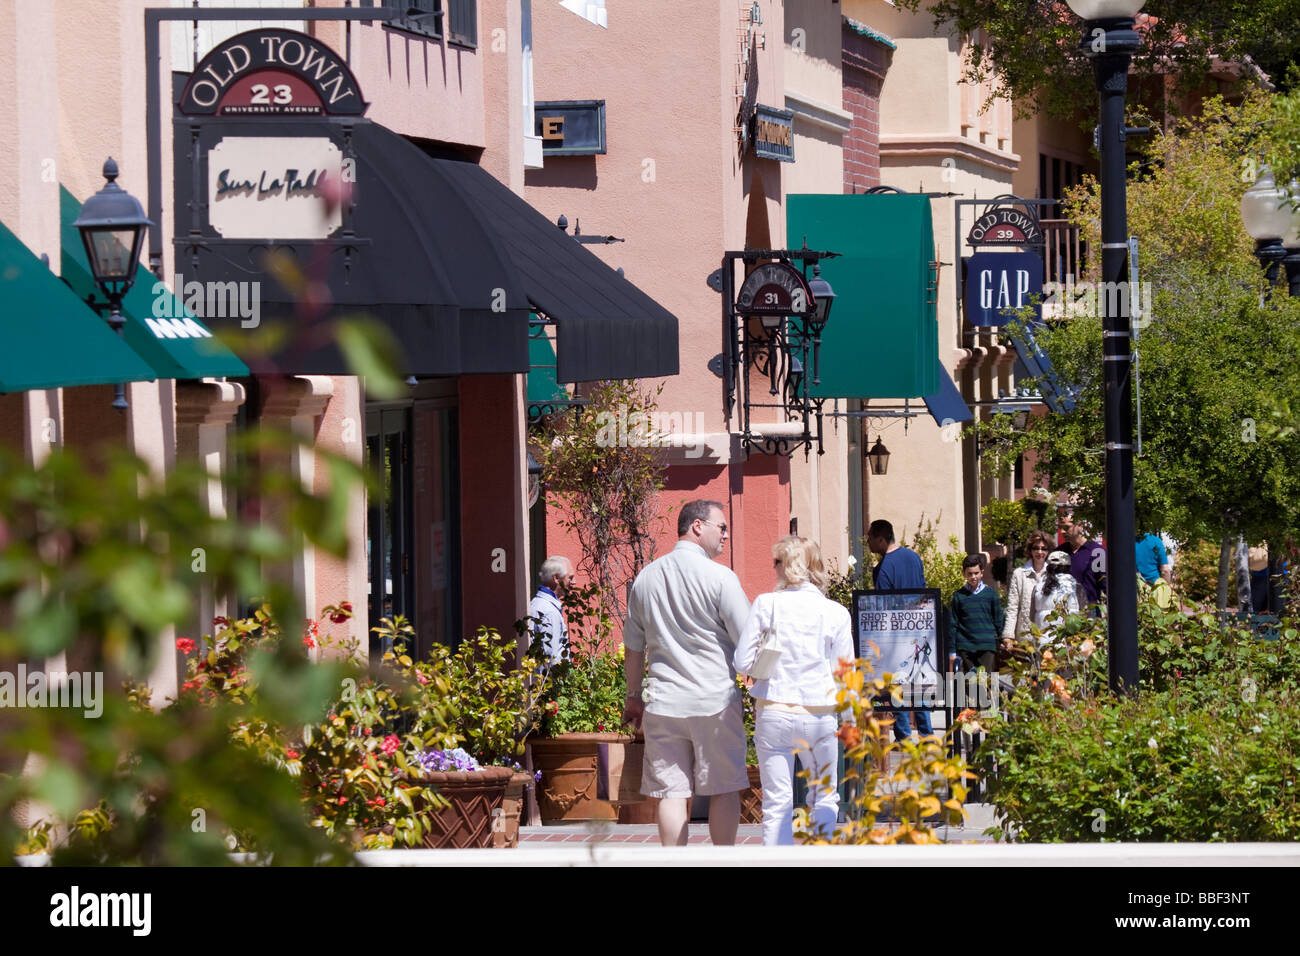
x=778, y=736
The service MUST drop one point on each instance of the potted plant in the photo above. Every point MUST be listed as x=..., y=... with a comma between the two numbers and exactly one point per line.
x=490, y=701
x=581, y=739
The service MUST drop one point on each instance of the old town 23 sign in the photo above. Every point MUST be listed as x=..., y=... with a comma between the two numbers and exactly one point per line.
x=272, y=73
x=275, y=110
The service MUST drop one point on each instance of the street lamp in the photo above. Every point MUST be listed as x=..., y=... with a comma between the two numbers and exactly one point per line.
x=1291, y=241
x=112, y=226
x=879, y=456
x=1111, y=41
x=824, y=297
x=1266, y=214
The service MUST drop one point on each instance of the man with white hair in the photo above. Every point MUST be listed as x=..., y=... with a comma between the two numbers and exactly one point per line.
x=549, y=624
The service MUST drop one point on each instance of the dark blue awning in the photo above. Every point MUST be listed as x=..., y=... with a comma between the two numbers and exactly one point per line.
x=1059, y=397
x=946, y=405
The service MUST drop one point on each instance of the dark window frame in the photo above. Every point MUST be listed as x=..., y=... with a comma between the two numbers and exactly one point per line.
x=453, y=21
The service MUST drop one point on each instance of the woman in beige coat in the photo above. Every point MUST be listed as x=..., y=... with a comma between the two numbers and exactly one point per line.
x=1021, y=593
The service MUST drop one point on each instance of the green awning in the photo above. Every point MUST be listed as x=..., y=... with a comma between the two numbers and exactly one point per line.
x=882, y=340
x=545, y=394
x=159, y=327
x=51, y=338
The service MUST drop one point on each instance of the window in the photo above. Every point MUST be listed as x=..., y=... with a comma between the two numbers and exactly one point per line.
x=463, y=21
x=457, y=20
x=422, y=16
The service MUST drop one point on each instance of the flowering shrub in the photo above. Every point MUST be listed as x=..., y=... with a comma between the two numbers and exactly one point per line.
x=478, y=692
x=587, y=695
x=1206, y=750
x=925, y=789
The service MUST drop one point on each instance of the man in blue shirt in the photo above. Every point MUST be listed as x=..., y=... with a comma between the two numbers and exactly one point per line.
x=899, y=568
x=1153, y=559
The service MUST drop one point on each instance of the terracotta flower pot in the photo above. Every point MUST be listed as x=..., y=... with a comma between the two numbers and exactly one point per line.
x=751, y=800
x=507, y=835
x=570, y=788
x=475, y=799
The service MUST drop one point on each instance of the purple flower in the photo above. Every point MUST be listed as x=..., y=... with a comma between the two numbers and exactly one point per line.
x=444, y=760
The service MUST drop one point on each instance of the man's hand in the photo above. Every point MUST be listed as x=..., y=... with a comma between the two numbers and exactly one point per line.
x=633, y=711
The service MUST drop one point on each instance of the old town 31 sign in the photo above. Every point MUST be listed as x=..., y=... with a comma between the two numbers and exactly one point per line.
x=272, y=112
x=775, y=288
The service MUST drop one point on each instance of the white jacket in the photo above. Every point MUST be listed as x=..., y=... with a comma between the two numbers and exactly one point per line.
x=1020, y=600
x=814, y=631
x=1064, y=598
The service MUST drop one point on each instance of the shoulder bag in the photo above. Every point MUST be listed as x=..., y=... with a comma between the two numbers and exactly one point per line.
x=769, y=650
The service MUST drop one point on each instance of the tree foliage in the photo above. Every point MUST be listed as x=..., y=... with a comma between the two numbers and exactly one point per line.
x=602, y=469
x=1029, y=49
x=1218, y=358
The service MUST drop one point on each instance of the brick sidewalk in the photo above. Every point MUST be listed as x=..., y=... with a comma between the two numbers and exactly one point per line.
x=749, y=834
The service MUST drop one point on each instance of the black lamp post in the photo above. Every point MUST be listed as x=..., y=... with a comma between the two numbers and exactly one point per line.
x=1291, y=240
x=112, y=226
x=1267, y=217
x=1111, y=41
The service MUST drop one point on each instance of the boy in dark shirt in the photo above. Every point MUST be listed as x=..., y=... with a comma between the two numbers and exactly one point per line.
x=977, y=618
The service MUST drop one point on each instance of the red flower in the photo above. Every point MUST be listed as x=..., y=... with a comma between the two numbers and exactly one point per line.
x=307, y=641
x=343, y=800
x=364, y=730
x=292, y=754
x=391, y=744
x=220, y=622
x=185, y=645
x=421, y=678
x=343, y=612
x=553, y=707
x=189, y=685
x=377, y=802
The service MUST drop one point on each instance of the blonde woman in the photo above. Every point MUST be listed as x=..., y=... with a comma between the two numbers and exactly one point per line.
x=1020, y=594
x=795, y=706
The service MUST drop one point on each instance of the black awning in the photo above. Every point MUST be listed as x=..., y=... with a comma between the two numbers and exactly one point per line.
x=607, y=327
x=447, y=258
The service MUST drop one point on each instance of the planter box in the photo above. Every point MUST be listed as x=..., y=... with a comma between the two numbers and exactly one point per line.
x=571, y=766
x=751, y=800
x=476, y=807
x=506, y=835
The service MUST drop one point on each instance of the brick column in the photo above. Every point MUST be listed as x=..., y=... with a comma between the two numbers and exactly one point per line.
x=864, y=61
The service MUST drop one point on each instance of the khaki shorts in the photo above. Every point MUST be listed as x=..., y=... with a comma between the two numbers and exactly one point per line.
x=685, y=756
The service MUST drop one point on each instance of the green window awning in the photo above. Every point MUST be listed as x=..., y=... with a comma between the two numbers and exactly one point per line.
x=51, y=338
x=545, y=394
x=882, y=340
x=159, y=327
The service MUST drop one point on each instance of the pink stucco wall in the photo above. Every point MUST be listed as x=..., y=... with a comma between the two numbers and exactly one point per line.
x=674, y=185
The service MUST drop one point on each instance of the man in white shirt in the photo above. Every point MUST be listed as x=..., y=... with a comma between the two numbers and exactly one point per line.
x=549, y=625
x=686, y=613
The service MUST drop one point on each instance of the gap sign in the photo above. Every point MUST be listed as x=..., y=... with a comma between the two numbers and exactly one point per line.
x=1000, y=283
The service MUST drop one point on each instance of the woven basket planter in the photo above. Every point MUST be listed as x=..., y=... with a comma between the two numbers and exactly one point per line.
x=751, y=800
x=475, y=807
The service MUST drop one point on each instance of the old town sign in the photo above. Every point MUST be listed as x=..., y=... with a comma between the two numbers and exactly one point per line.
x=266, y=121
x=272, y=73
x=1006, y=225
x=775, y=288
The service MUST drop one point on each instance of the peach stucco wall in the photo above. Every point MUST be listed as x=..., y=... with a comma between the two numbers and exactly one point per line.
x=674, y=185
